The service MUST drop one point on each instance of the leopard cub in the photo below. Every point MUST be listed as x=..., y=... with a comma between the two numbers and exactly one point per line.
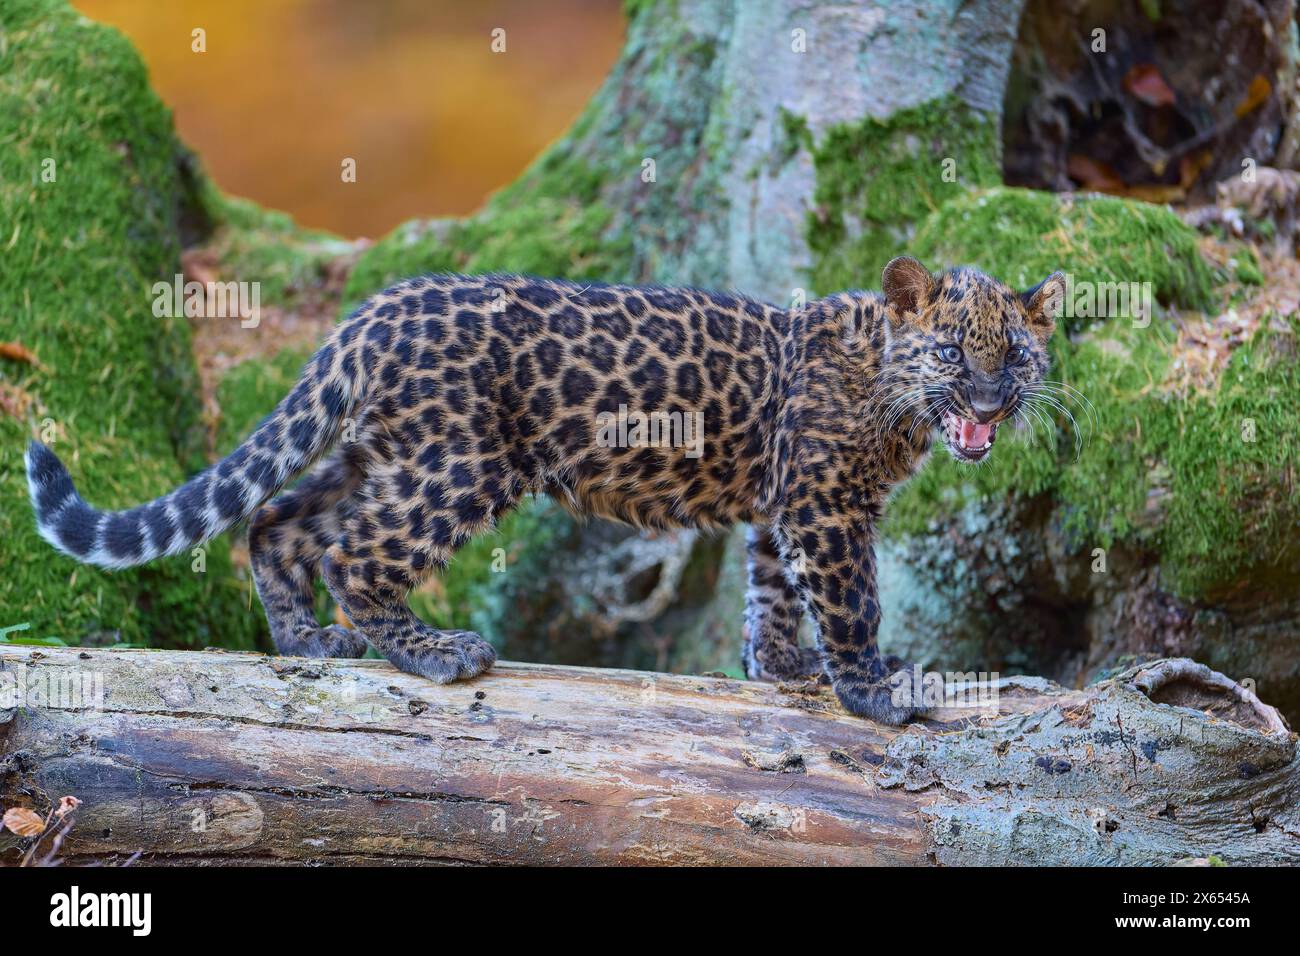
x=442, y=401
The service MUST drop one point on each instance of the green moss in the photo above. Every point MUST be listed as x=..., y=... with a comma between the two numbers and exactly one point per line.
x=117, y=385
x=634, y=8
x=1232, y=455
x=1104, y=490
x=795, y=135
x=876, y=179
x=1022, y=236
x=1247, y=267
x=254, y=244
x=250, y=390
x=410, y=249
x=549, y=222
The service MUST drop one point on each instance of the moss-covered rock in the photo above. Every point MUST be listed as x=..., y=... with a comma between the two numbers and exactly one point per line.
x=95, y=193
x=878, y=179
x=1022, y=236
x=268, y=246
x=550, y=222
x=250, y=390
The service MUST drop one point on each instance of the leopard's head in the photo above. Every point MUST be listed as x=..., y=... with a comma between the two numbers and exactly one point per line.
x=965, y=352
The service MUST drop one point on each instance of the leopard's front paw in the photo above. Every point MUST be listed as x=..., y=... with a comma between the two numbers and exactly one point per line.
x=883, y=691
x=331, y=641
x=441, y=656
x=786, y=664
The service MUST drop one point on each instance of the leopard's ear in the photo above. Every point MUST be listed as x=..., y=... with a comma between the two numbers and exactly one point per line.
x=907, y=285
x=1043, y=303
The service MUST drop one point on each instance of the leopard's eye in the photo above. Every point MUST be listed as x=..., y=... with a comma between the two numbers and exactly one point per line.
x=1017, y=355
x=950, y=353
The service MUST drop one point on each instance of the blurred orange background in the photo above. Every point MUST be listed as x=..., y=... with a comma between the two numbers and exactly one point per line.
x=410, y=89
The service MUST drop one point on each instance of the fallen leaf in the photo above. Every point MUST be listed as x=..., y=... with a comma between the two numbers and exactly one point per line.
x=14, y=402
x=1190, y=167
x=67, y=805
x=24, y=822
x=1093, y=174
x=1257, y=95
x=18, y=352
x=1145, y=82
x=199, y=265
x=1153, y=193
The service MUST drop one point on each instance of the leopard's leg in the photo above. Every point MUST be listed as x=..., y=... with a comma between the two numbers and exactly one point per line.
x=773, y=613
x=397, y=535
x=286, y=540
x=835, y=566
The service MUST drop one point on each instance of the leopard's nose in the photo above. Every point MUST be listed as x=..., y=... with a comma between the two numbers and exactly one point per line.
x=985, y=409
x=985, y=400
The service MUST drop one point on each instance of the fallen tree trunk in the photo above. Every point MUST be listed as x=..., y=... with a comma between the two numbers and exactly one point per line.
x=215, y=757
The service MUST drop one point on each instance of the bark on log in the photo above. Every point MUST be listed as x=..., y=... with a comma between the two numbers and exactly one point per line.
x=201, y=758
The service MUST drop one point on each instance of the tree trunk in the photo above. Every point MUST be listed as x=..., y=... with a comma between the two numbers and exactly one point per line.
x=192, y=757
x=731, y=101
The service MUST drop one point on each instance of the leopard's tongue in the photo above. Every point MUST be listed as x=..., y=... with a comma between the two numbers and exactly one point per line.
x=973, y=435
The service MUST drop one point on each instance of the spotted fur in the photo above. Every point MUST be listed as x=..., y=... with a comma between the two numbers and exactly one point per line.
x=445, y=399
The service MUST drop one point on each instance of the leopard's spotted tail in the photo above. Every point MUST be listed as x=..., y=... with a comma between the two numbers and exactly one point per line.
x=303, y=426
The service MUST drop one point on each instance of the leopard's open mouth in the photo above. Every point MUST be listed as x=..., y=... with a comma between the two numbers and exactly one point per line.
x=968, y=440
